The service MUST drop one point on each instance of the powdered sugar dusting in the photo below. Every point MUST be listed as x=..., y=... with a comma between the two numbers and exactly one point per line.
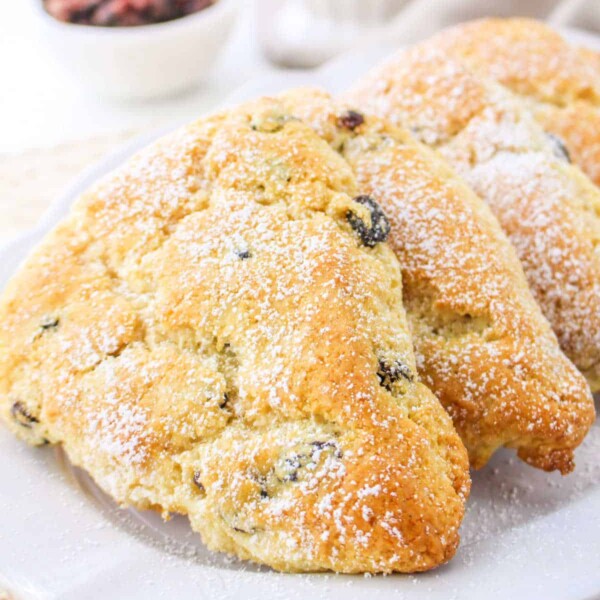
x=481, y=341
x=549, y=210
x=220, y=335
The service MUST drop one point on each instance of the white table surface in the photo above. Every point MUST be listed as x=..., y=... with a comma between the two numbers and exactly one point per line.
x=40, y=106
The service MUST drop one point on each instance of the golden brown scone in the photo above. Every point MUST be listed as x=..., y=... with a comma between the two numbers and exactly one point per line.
x=559, y=82
x=548, y=207
x=481, y=341
x=217, y=329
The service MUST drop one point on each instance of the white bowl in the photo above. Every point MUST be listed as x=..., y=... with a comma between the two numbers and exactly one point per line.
x=144, y=61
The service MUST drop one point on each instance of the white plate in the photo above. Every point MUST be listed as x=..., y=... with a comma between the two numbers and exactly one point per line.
x=527, y=534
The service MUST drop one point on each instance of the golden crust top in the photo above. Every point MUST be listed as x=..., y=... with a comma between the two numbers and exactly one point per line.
x=206, y=333
x=548, y=208
x=481, y=341
x=559, y=81
x=528, y=57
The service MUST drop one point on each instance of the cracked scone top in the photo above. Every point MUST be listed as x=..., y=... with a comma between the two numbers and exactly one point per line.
x=559, y=82
x=481, y=342
x=217, y=330
x=547, y=206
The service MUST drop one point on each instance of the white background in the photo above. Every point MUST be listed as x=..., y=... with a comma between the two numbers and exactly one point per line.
x=41, y=106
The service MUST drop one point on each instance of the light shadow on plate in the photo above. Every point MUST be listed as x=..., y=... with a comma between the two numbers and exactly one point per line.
x=174, y=537
x=507, y=493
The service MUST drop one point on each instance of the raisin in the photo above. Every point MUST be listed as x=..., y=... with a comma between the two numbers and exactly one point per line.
x=49, y=323
x=320, y=445
x=389, y=374
x=240, y=530
x=225, y=400
x=558, y=147
x=243, y=254
x=324, y=445
x=350, y=120
x=291, y=467
x=234, y=521
x=378, y=230
x=271, y=123
x=261, y=480
x=21, y=414
x=197, y=481
x=308, y=455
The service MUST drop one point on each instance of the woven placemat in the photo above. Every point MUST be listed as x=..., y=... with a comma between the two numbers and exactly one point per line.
x=31, y=180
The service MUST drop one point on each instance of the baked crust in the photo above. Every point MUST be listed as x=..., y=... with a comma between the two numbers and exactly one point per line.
x=547, y=206
x=559, y=82
x=481, y=341
x=206, y=334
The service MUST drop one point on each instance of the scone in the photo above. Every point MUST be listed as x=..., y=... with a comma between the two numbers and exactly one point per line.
x=547, y=206
x=481, y=342
x=559, y=82
x=217, y=329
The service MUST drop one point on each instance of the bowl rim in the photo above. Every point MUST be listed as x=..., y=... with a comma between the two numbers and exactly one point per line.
x=213, y=11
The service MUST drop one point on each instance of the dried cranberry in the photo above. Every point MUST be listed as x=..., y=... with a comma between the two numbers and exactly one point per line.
x=225, y=400
x=390, y=373
x=22, y=416
x=49, y=323
x=558, y=147
x=378, y=230
x=243, y=254
x=350, y=120
x=305, y=455
x=123, y=13
x=197, y=481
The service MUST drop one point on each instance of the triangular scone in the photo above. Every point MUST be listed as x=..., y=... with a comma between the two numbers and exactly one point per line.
x=217, y=329
x=559, y=82
x=547, y=206
x=482, y=343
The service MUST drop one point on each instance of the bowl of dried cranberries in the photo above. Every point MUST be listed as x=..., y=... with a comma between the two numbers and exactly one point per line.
x=134, y=49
